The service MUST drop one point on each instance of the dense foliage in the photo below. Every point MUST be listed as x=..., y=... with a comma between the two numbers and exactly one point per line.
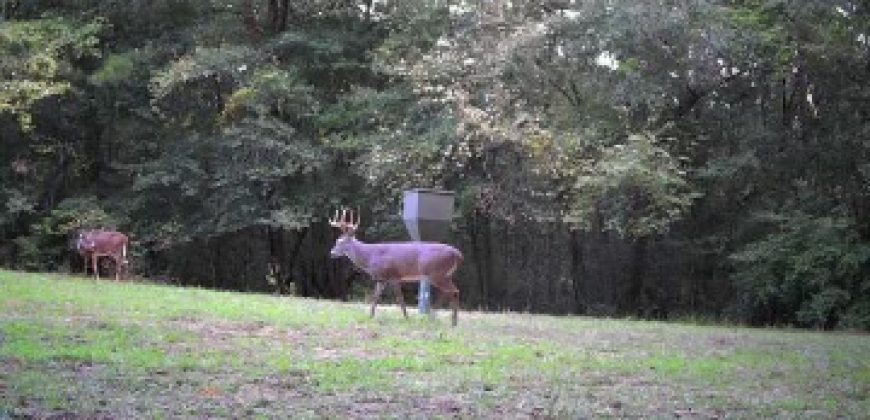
x=658, y=158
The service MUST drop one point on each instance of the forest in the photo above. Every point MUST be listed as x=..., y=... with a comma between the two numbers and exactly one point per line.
x=661, y=159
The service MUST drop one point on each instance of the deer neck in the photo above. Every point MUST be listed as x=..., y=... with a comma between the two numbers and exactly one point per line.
x=358, y=254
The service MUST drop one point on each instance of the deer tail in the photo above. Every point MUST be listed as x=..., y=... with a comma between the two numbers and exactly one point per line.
x=124, y=251
x=456, y=261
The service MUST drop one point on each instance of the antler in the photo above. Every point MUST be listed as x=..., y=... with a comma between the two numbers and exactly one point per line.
x=354, y=226
x=344, y=222
x=334, y=222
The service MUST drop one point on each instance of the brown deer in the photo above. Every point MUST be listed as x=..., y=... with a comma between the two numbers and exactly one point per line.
x=398, y=262
x=93, y=244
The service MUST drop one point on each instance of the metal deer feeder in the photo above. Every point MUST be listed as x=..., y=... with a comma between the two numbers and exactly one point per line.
x=427, y=214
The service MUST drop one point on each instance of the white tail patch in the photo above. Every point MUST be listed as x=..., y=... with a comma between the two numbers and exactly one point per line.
x=124, y=251
x=453, y=269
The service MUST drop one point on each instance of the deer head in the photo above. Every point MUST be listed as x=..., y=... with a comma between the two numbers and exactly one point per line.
x=345, y=224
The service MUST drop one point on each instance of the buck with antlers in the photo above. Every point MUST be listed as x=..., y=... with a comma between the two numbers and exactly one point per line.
x=398, y=262
x=93, y=244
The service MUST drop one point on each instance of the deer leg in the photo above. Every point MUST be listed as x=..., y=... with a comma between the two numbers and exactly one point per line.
x=125, y=266
x=96, y=269
x=446, y=289
x=121, y=268
x=376, y=296
x=439, y=301
x=454, y=303
x=397, y=287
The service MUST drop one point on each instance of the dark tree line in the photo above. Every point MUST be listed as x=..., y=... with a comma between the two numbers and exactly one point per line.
x=656, y=159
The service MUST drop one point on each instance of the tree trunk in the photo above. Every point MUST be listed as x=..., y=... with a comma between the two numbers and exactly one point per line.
x=249, y=17
x=273, y=11
x=636, y=290
x=368, y=13
x=488, y=268
x=474, y=233
x=216, y=256
x=578, y=274
x=285, y=11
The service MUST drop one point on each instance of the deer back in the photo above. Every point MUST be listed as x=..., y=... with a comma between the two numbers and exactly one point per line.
x=102, y=242
x=402, y=259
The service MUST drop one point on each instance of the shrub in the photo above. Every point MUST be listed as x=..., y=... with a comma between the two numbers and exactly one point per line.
x=809, y=272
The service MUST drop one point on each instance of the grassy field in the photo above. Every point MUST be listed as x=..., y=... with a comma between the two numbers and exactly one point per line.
x=76, y=347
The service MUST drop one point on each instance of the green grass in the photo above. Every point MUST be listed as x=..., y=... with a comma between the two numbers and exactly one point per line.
x=74, y=346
